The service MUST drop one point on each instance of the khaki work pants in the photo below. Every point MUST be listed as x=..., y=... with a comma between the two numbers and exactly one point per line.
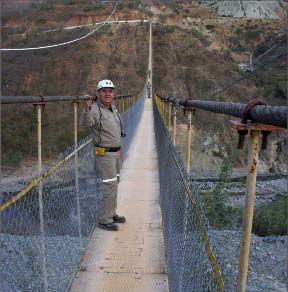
x=107, y=168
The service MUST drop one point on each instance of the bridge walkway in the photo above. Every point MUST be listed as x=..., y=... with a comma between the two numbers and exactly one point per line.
x=131, y=259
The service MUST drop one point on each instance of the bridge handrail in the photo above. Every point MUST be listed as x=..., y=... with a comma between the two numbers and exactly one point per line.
x=28, y=99
x=58, y=205
x=178, y=197
x=202, y=227
x=270, y=115
x=41, y=98
x=43, y=175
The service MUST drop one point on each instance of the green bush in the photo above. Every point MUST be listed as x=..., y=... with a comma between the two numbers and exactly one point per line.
x=238, y=49
x=91, y=8
x=271, y=219
x=149, y=13
x=216, y=206
x=210, y=26
x=238, y=31
x=260, y=49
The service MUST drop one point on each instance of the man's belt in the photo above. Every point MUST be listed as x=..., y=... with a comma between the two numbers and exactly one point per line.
x=110, y=149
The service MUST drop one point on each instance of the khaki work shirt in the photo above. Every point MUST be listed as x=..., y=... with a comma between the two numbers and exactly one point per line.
x=105, y=125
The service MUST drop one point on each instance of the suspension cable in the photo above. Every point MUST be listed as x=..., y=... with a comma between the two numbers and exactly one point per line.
x=65, y=43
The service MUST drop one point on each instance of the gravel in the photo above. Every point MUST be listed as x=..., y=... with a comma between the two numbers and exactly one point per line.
x=268, y=258
x=266, y=191
x=21, y=261
x=268, y=262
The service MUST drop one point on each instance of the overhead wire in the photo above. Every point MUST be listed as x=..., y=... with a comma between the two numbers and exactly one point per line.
x=91, y=24
x=270, y=49
x=65, y=43
x=257, y=59
x=248, y=75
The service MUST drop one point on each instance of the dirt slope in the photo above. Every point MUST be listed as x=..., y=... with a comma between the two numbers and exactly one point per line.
x=195, y=52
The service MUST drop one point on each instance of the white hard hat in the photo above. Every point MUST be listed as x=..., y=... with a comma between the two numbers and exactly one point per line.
x=105, y=83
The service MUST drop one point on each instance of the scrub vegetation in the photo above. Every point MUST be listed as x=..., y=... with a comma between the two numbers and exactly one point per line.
x=194, y=51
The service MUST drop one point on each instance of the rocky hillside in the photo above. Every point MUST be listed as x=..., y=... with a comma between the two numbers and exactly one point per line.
x=195, y=52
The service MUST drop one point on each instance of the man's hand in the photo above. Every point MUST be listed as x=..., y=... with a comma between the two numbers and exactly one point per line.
x=88, y=103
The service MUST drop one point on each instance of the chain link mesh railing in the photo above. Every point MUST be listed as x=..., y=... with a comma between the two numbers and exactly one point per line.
x=45, y=258
x=191, y=263
x=133, y=114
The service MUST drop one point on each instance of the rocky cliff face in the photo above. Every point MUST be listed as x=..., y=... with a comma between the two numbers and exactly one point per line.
x=250, y=9
x=9, y=6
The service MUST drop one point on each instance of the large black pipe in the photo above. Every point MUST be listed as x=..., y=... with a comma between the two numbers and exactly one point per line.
x=270, y=115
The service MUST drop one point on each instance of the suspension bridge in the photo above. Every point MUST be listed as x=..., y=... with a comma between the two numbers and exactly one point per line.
x=49, y=235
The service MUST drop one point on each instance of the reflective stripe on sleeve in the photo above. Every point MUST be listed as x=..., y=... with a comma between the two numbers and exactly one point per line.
x=109, y=180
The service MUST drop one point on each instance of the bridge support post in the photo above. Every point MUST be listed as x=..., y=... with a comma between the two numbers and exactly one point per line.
x=254, y=131
x=189, y=128
x=174, y=124
x=169, y=116
x=117, y=104
x=165, y=112
x=39, y=107
x=249, y=208
x=75, y=104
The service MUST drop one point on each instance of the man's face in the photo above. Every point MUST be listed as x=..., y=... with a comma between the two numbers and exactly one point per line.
x=106, y=96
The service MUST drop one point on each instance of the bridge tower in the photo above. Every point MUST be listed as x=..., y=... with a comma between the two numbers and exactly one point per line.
x=149, y=82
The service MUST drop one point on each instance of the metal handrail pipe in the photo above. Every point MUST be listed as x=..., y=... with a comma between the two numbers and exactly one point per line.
x=39, y=98
x=270, y=115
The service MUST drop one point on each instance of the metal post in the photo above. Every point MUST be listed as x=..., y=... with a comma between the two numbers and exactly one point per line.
x=174, y=125
x=45, y=278
x=249, y=207
x=188, y=150
x=254, y=130
x=169, y=116
x=76, y=171
x=150, y=69
x=165, y=112
x=123, y=104
x=117, y=104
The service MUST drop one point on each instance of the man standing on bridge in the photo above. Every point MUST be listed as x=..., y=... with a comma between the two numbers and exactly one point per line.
x=105, y=124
